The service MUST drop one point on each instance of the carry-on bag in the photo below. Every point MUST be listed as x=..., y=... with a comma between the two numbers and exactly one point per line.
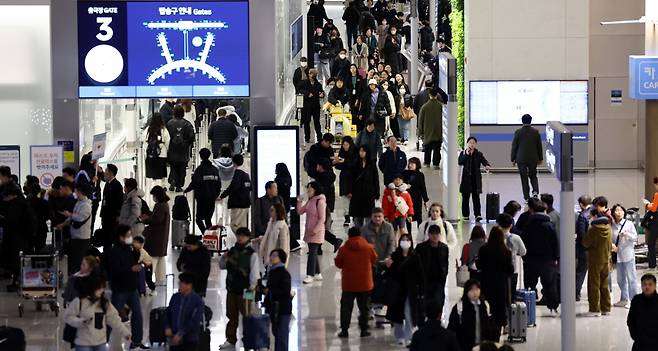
x=492, y=209
x=179, y=230
x=12, y=339
x=255, y=328
x=529, y=297
x=157, y=317
x=518, y=326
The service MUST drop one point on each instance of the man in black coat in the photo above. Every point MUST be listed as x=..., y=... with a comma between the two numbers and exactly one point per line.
x=111, y=207
x=301, y=74
x=207, y=186
x=278, y=302
x=541, y=259
x=432, y=335
x=181, y=132
x=527, y=154
x=393, y=161
x=321, y=150
x=375, y=105
x=434, y=256
x=582, y=224
x=392, y=47
x=195, y=258
x=221, y=132
x=642, y=322
x=262, y=207
x=340, y=68
x=17, y=221
x=351, y=16
x=471, y=185
x=313, y=92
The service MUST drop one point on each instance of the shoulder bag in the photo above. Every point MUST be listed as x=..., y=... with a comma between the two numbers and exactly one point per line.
x=613, y=255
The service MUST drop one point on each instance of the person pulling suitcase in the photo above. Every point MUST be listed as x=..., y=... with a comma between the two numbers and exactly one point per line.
x=185, y=313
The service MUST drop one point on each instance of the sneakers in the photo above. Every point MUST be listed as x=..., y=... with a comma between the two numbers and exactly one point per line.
x=308, y=280
x=227, y=346
x=478, y=219
x=621, y=303
x=337, y=245
x=605, y=313
x=318, y=277
x=343, y=334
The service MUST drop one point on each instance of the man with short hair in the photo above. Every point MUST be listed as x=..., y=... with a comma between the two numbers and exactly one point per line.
x=527, y=154
x=207, y=186
x=514, y=243
x=430, y=129
x=432, y=335
x=242, y=273
x=178, y=153
x=369, y=138
x=239, y=195
x=262, y=207
x=111, y=206
x=433, y=254
x=393, y=162
x=319, y=151
x=380, y=234
x=195, y=258
x=340, y=68
x=355, y=259
x=550, y=211
x=221, y=132
x=301, y=74
x=69, y=174
x=182, y=322
x=582, y=224
x=642, y=322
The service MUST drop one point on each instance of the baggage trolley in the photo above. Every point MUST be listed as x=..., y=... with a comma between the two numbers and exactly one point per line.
x=39, y=281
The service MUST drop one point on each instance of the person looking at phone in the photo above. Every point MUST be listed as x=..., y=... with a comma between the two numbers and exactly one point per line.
x=471, y=185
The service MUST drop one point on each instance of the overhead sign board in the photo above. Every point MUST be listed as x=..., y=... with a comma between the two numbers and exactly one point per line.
x=559, y=151
x=643, y=77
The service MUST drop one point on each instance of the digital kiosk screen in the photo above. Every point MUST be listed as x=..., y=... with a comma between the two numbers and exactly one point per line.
x=163, y=49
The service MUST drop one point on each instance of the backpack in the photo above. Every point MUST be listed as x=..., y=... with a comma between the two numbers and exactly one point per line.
x=153, y=149
x=181, y=209
x=178, y=139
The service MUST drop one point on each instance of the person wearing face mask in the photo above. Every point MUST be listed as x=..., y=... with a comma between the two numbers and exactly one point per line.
x=91, y=314
x=301, y=74
x=404, y=268
x=340, y=68
x=313, y=92
x=405, y=109
x=156, y=233
x=122, y=269
x=392, y=48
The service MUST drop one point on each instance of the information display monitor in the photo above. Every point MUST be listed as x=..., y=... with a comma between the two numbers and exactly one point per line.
x=504, y=102
x=163, y=49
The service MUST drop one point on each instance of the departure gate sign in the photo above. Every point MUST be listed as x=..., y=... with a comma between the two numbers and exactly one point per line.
x=643, y=77
x=163, y=49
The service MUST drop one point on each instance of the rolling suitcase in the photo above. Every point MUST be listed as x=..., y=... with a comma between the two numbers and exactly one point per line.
x=12, y=339
x=529, y=297
x=492, y=209
x=255, y=329
x=518, y=327
x=179, y=230
x=156, y=319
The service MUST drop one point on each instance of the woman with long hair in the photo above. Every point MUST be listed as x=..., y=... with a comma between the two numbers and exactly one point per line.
x=471, y=250
x=347, y=158
x=365, y=187
x=495, y=264
x=277, y=234
x=91, y=173
x=470, y=319
x=156, y=138
x=156, y=233
x=418, y=191
x=283, y=182
x=315, y=209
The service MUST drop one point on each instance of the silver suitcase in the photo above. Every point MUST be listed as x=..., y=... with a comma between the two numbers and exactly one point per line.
x=179, y=229
x=518, y=326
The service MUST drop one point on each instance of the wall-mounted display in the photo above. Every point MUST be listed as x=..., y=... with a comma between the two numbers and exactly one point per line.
x=163, y=49
x=504, y=102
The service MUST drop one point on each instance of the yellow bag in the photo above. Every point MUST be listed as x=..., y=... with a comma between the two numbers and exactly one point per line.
x=335, y=109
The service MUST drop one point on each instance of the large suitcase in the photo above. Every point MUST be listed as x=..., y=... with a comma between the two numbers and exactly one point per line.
x=179, y=230
x=255, y=328
x=204, y=340
x=12, y=339
x=493, y=206
x=156, y=319
x=529, y=297
x=518, y=322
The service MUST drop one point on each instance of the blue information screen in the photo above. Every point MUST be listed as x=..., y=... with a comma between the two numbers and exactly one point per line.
x=163, y=49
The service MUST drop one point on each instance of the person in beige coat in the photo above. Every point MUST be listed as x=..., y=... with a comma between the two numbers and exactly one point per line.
x=277, y=235
x=131, y=209
x=360, y=54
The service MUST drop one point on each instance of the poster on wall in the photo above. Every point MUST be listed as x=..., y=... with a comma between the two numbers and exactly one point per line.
x=10, y=155
x=69, y=152
x=98, y=146
x=46, y=163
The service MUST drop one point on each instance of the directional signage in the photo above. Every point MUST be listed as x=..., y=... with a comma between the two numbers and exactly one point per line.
x=643, y=77
x=559, y=151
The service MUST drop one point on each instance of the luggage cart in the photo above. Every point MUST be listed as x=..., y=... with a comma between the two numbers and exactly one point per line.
x=39, y=281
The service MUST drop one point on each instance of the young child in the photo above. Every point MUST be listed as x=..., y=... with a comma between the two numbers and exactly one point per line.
x=147, y=262
x=397, y=204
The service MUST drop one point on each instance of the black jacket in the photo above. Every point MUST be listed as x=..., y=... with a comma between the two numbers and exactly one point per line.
x=180, y=129
x=327, y=180
x=112, y=200
x=464, y=326
x=118, y=264
x=198, y=263
x=495, y=271
x=435, y=264
x=278, y=300
x=239, y=191
x=540, y=239
x=322, y=46
x=306, y=87
x=338, y=94
x=318, y=12
x=17, y=221
x=418, y=191
x=346, y=179
x=205, y=182
x=382, y=107
x=642, y=322
x=392, y=49
x=220, y=132
x=433, y=336
x=426, y=39
x=365, y=189
x=340, y=68
x=408, y=281
x=351, y=16
x=526, y=146
x=392, y=164
x=313, y=156
x=262, y=212
x=297, y=78
x=471, y=175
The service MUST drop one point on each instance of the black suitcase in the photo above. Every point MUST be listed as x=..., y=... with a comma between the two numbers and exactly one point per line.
x=156, y=319
x=295, y=230
x=493, y=206
x=12, y=339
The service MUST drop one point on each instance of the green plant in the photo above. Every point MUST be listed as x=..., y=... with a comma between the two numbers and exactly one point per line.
x=457, y=26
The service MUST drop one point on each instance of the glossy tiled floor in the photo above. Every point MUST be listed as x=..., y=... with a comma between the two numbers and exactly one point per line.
x=316, y=306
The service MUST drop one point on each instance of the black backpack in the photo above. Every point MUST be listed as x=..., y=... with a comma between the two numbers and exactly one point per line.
x=153, y=148
x=178, y=139
x=181, y=209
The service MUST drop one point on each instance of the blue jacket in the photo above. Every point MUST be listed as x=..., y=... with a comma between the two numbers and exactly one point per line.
x=184, y=316
x=392, y=166
x=582, y=224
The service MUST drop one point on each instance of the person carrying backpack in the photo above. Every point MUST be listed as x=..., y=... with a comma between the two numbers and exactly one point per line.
x=157, y=141
x=178, y=155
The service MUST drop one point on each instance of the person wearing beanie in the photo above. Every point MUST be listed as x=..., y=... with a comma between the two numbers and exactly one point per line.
x=207, y=187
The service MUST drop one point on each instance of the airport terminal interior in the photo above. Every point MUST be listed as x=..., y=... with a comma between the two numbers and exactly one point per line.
x=500, y=91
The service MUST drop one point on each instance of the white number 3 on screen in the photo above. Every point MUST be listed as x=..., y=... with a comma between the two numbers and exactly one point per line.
x=106, y=31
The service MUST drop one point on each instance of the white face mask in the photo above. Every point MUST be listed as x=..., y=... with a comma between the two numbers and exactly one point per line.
x=128, y=240
x=303, y=64
x=405, y=244
x=403, y=90
x=342, y=57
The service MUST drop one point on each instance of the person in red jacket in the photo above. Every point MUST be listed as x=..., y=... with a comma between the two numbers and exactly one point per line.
x=356, y=259
x=397, y=204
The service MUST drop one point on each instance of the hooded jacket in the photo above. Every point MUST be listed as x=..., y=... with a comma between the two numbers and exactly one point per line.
x=225, y=167
x=540, y=239
x=598, y=242
x=131, y=209
x=356, y=259
x=83, y=315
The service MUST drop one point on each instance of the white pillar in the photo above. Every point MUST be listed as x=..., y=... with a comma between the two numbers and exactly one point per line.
x=413, y=65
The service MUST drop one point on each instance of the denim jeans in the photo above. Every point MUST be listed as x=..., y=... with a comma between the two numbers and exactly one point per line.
x=131, y=298
x=281, y=332
x=627, y=279
x=313, y=264
x=404, y=128
x=404, y=330
x=101, y=347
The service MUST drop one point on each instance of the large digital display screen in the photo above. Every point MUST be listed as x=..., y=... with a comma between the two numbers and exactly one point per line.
x=504, y=102
x=273, y=145
x=163, y=49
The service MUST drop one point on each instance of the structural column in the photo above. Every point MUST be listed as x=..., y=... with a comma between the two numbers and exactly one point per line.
x=262, y=69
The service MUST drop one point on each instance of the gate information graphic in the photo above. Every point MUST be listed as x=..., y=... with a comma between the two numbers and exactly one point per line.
x=163, y=49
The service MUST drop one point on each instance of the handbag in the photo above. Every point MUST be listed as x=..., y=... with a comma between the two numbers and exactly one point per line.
x=462, y=275
x=78, y=225
x=648, y=219
x=613, y=255
x=71, y=332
